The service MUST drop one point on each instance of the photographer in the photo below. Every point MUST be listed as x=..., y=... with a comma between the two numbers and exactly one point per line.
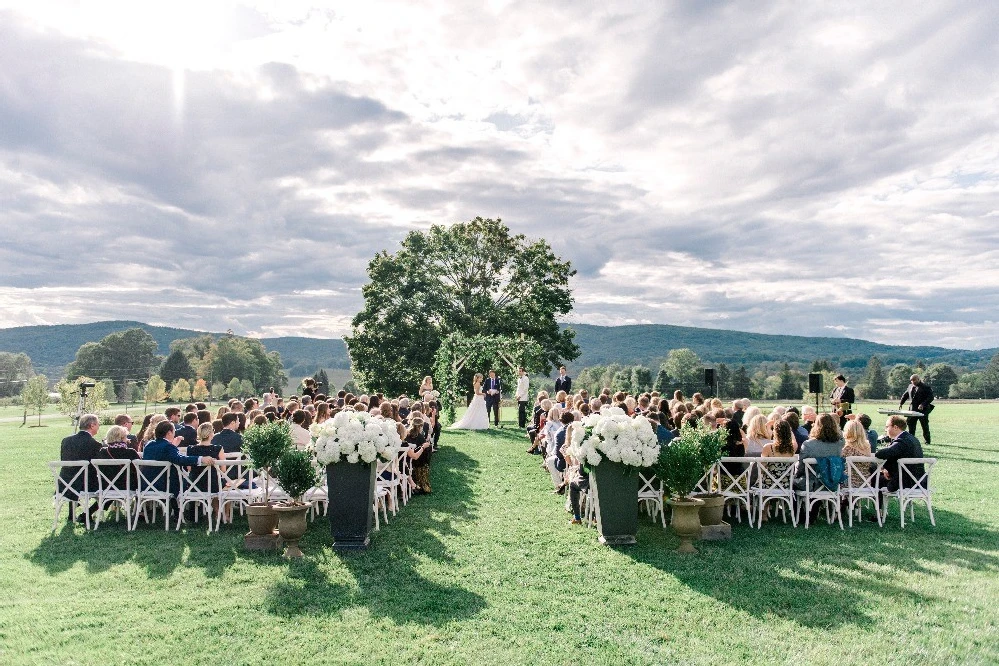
x=418, y=449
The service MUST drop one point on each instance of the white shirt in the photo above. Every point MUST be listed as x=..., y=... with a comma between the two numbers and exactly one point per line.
x=301, y=436
x=523, y=388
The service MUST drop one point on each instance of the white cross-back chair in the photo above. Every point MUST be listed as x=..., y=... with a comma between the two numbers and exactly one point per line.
x=381, y=500
x=774, y=483
x=201, y=488
x=650, y=494
x=919, y=490
x=405, y=474
x=863, y=482
x=114, y=487
x=152, y=490
x=808, y=497
x=393, y=484
x=318, y=497
x=65, y=493
x=708, y=483
x=239, y=487
x=733, y=476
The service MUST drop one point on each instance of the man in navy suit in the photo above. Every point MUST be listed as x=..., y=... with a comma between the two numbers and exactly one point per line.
x=563, y=382
x=494, y=393
x=164, y=448
x=188, y=432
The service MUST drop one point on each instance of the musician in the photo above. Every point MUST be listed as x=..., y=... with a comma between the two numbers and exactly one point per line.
x=920, y=399
x=842, y=399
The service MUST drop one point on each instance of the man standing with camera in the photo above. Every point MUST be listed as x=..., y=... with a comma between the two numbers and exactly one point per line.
x=920, y=399
x=523, y=396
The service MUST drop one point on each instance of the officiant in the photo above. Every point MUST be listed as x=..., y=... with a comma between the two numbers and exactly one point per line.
x=494, y=393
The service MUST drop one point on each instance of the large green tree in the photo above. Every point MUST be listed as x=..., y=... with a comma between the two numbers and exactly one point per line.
x=36, y=395
x=119, y=356
x=474, y=278
x=15, y=370
x=233, y=356
x=176, y=366
x=875, y=386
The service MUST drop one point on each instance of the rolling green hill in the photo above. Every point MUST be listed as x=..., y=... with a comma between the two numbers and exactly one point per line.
x=52, y=347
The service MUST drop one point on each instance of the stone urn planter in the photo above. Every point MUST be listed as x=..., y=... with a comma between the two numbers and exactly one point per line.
x=351, y=488
x=616, y=488
x=686, y=521
x=262, y=517
x=713, y=510
x=292, y=524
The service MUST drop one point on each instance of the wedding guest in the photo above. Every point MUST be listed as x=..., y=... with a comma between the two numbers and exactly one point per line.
x=783, y=445
x=172, y=415
x=872, y=435
x=322, y=412
x=856, y=444
x=299, y=433
x=903, y=445
x=81, y=446
x=756, y=435
x=125, y=421
x=826, y=441
x=206, y=447
x=555, y=460
x=164, y=448
x=221, y=411
x=418, y=449
x=204, y=416
x=188, y=432
x=552, y=425
x=800, y=434
x=228, y=438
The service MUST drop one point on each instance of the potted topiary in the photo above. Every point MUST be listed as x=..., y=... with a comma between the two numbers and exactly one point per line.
x=680, y=467
x=264, y=445
x=296, y=474
x=612, y=447
x=712, y=447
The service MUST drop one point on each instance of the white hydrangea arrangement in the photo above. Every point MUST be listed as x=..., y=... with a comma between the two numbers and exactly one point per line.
x=616, y=436
x=355, y=437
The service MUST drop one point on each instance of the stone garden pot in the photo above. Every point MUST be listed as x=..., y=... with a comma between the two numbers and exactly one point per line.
x=292, y=524
x=351, y=498
x=262, y=518
x=686, y=522
x=616, y=487
x=713, y=510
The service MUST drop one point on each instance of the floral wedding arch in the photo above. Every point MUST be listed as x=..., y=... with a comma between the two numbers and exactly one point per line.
x=503, y=353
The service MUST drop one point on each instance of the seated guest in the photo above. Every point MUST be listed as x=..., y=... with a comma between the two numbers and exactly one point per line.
x=164, y=448
x=663, y=434
x=116, y=445
x=227, y=438
x=808, y=417
x=418, y=448
x=756, y=435
x=555, y=460
x=205, y=447
x=81, y=446
x=403, y=408
x=552, y=425
x=903, y=445
x=188, y=431
x=204, y=416
x=826, y=441
x=856, y=445
x=872, y=435
x=125, y=421
x=800, y=434
x=783, y=445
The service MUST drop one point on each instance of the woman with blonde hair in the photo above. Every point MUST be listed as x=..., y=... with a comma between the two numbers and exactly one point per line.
x=856, y=444
x=757, y=435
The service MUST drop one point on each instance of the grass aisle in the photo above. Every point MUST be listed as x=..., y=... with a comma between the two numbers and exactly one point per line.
x=488, y=570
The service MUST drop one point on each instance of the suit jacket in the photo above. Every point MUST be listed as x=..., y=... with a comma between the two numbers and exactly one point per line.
x=559, y=444
x=919, y=396
x=903, y=446
x=489, y=385
x=81, y=446
x=563, y=384
x=845, y=395
x=161, y=449
x=189, y=435
x=230, y=441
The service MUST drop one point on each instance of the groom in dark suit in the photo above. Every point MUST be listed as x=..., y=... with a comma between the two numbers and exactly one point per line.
x=563, y=382
x=494, y=393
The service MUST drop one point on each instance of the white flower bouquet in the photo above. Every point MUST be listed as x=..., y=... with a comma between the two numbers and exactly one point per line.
x=616, y=436
x=355, y=437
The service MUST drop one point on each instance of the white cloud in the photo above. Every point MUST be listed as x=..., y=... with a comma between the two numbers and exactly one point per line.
x=774, y=167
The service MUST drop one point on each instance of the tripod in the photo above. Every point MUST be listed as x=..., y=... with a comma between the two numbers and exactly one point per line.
x=80, y=404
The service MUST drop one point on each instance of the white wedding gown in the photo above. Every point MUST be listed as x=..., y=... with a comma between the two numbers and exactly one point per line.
x=476, y=417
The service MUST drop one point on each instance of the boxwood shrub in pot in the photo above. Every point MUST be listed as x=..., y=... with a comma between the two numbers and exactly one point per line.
x=296, y=473
x=264, y=445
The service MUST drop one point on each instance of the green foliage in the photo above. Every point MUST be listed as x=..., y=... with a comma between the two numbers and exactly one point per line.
x=296, y=474
x=791, y=384
x=741, y=383
x=155, y=390
x=232, y=356
x=176, y=366
x=684, y=460
x=119, y=356
x=322, y=381
x=683, y=366
x=898, y=379
x=941, y=377
x=218, y=389
x=135, y=392
x=471, y=278
x=181, y=391
x=246, y=388
x=875, y=386
x=723, y=375
x=200, y=391
x=265, y=444
x=36, y=395
x=69, y=396
x=15, y=370
x=109, y=391
x=233, y=388
x=350, y=386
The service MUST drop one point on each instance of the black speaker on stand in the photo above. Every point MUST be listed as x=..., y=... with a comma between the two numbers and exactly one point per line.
x=815, y=386
x=709, y=379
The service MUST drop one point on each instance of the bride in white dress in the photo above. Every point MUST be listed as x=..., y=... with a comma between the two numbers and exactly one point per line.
x=476, y=417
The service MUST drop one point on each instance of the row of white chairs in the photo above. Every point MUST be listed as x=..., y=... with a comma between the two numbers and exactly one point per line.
x=756, y=484
x=137, y=489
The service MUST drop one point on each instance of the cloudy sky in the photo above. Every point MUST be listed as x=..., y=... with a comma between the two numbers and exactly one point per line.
x=779, y=167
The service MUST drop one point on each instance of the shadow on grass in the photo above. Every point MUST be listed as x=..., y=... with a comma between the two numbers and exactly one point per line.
x=823, y=577
x=386, y=577
x=159, y=552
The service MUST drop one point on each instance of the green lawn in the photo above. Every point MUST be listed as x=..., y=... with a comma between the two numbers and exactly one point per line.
x=488, y=570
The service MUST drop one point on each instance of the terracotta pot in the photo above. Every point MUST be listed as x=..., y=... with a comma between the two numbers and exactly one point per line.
x=262, y=518
x=686, y=522
x=712, y=513
x=292, y=524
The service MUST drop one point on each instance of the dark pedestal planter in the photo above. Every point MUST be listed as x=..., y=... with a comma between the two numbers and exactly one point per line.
x=351, y=495
x=617, y=498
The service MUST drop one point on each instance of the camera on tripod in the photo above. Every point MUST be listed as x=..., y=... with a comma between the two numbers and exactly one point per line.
x=85, y=385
